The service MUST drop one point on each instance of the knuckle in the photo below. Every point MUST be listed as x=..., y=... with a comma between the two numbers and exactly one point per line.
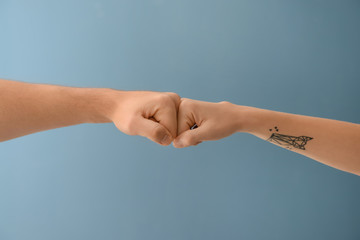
x=164, y=99
x=175, y=97
x=185, y=103
x=224, y=103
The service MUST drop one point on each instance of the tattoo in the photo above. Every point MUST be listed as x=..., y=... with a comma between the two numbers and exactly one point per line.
x=288, y=141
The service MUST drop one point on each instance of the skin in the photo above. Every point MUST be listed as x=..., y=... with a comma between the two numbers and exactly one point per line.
x=28, y=108
x=164, y=118
x=334, y=143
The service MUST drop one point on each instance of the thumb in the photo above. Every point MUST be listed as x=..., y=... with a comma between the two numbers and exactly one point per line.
x=190, y=137
x=154, y=131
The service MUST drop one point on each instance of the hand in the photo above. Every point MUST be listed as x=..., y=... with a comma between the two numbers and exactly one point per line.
x=148, y=114
x=214, y=121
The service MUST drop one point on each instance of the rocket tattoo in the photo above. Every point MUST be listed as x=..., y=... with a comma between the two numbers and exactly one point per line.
x=289, y=141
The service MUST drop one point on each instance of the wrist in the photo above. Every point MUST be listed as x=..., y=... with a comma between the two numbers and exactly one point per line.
x=245, y=118
x=99, y=104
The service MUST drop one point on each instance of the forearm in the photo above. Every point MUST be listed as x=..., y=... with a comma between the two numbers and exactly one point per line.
x=27, y=108
x=331, y=142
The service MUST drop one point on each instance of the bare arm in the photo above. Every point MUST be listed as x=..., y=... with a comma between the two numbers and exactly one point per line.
x=28, y=108
x=334, y=143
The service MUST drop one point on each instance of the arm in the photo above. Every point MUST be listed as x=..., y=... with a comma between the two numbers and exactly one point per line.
x=334, y=143
x=28, y=108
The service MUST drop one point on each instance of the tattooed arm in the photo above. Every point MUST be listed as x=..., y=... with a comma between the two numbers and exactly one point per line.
x=334, y=143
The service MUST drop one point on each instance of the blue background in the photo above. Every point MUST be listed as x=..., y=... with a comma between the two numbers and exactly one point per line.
x=94, y=182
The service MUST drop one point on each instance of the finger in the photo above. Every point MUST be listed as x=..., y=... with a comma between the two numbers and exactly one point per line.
x=175, y=97
x=185, y=116
x=167, y=116
x=153, y=130
x=192, y=137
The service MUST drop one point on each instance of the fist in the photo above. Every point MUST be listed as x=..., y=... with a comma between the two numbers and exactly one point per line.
x=148, y=114
x=214, y=121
